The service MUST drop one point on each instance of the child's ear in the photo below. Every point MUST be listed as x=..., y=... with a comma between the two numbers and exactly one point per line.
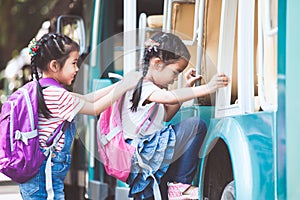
x=157, y=63
x=54, y=66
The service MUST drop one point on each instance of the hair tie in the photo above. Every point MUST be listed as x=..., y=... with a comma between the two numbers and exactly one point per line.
x=33, y=47
x=151, y=44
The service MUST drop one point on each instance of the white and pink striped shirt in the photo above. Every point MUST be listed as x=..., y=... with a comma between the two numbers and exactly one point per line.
x=63, y=106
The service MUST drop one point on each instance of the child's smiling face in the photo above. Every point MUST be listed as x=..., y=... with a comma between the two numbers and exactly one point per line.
x=68, y=72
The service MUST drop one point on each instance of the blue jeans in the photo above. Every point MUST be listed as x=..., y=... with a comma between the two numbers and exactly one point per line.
x=190, y=134
x=35, y=188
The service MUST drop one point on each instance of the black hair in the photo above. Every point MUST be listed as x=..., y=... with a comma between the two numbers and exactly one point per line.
x=169, y=49
x=51, y=46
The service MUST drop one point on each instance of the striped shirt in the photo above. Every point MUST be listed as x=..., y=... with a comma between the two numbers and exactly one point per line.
x=63, y=106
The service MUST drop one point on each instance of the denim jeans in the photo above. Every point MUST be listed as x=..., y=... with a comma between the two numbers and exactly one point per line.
x=35, y=188
x=190, y=134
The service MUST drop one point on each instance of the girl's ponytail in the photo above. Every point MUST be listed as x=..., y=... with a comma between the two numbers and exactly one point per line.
x=42, y=108
x=136, y=95
x=150, y=51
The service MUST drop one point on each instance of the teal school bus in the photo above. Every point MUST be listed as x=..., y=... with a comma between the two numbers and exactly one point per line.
x=252, y=139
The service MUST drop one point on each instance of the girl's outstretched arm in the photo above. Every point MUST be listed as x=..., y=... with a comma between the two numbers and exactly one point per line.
x=181, y=95
x=96, y=95
x=190, y=79
x=109, y=95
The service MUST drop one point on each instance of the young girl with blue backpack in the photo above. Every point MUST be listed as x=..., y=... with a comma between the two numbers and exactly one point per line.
x=54, y=58
x=167, y=156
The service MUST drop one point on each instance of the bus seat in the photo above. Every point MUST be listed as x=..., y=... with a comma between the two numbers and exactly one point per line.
x=183, y=26
x=155, y=21
x=183, y=18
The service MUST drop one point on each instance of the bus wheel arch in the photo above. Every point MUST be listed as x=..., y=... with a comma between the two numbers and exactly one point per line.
x=226, y=158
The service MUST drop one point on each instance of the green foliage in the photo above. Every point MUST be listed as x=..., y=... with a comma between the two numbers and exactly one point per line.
x=21, y=19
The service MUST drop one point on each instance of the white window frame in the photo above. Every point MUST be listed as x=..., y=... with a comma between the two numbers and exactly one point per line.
x=245, y=60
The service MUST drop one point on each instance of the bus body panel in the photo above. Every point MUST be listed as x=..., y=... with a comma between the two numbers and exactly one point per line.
x=247, y=142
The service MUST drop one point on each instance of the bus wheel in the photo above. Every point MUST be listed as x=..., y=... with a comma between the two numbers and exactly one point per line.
x=228, y=192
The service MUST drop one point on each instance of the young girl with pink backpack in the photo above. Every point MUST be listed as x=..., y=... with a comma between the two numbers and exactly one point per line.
x=167, y=157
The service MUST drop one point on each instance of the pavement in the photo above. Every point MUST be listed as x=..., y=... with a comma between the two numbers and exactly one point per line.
x=9, y=190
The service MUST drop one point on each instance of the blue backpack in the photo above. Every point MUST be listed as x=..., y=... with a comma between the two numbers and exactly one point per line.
x=20, y=153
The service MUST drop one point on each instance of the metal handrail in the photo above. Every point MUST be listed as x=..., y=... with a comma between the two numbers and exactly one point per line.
x=268, y=27
x=266, y=106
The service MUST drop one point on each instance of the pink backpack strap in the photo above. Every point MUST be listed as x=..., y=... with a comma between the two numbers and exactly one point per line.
x=148, y=120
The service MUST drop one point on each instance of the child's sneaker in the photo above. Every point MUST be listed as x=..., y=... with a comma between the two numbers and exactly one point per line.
x=180, y=191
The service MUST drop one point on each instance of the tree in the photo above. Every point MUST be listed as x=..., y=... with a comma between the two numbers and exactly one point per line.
x=21, y=19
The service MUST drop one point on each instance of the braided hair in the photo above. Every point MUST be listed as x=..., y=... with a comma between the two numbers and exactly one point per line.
x=51, y=46
x=166, y=46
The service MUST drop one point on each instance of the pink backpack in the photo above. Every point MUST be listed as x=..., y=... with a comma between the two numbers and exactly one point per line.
x=115, y=154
